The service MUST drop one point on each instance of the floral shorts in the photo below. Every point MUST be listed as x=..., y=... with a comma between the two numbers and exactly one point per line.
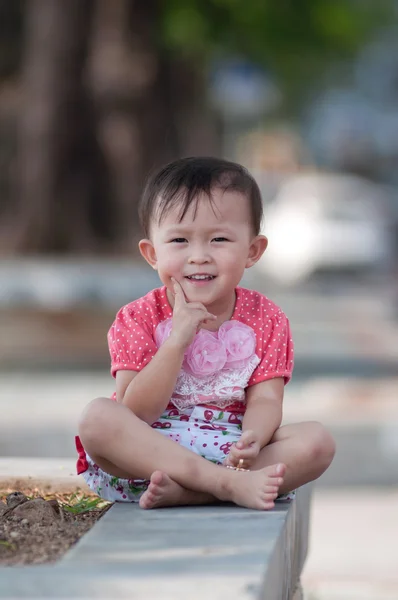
x=208, y=432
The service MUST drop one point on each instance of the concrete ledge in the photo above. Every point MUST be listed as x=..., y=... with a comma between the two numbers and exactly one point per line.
x=208, y=552
x=50, y=474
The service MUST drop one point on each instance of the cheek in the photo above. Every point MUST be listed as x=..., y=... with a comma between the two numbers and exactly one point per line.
x=169, y=262
x=232, y=259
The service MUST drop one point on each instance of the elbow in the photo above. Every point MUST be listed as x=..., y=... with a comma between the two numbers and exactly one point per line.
x=139, y=412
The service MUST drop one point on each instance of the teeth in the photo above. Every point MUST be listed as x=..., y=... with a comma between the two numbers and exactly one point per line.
x=200, y=277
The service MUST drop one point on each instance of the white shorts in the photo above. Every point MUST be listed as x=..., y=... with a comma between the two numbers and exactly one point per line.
x=208, y=432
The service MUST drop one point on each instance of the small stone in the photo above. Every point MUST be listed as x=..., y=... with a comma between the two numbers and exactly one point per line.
x=14, y=535
x=37, y=510
x=55, y=506
x=15, y=498
x=24, y=522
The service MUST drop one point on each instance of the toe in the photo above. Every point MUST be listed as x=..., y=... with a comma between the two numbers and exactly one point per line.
x=266, y=504
x=151, y=495
x=154, y=491
x=157, y=477
x=271, y=489
x=277, y=470
x=143, y=502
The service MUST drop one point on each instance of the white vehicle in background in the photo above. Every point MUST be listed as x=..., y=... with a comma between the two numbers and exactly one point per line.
x=326, y=222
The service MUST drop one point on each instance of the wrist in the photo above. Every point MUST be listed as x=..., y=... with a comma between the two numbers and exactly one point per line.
x=173, y=344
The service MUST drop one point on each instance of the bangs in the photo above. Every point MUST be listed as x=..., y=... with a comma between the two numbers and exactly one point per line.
x=183, y=183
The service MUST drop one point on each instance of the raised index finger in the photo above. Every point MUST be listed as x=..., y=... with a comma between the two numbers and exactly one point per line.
x=179, y=292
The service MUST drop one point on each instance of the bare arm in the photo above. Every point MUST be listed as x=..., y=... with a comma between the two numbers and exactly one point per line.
x=263, y=414
x=148, y=392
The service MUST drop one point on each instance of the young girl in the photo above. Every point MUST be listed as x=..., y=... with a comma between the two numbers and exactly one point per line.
x=200, y=363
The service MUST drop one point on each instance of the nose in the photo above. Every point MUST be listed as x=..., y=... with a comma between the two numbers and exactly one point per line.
x=199, y=255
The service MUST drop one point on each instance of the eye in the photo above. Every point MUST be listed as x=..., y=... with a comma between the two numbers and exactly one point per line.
x=219, y=239
x=178, y=240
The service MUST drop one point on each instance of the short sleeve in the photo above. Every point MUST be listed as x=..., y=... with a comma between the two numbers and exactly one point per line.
x=275, y=350
x=131, y=343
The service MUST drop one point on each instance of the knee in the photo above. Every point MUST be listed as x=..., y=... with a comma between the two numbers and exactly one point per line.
x=94, y=421
x=321, y=445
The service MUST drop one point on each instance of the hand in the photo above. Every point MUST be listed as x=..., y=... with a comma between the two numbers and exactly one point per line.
x=187, y=317
x=246, y=449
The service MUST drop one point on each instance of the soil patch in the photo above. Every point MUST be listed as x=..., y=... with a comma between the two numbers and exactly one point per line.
x=37, y=528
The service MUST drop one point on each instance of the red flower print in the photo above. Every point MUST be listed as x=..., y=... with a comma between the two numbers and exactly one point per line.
x=234, y=419
x=208, y=415
x=184, y=418
x=226, y=447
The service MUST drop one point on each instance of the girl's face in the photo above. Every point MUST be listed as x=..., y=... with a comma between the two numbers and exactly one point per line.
x=206, y=253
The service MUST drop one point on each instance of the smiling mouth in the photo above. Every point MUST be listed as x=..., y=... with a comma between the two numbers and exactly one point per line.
x=200, y=277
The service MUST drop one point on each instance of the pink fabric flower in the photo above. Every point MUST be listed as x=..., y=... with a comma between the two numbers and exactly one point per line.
x=239, y=341
x=206, y=354
x=163, y=331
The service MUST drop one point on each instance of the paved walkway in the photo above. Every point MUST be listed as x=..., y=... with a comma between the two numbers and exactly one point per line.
x=353, y=551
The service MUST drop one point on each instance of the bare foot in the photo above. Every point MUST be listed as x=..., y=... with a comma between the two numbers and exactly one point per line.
x=163, y=491
x=253, y=489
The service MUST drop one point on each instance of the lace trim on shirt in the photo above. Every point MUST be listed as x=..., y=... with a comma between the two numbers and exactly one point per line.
x=222, y=388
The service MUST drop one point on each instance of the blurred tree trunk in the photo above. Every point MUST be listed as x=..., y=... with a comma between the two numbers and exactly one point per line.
x=103, y=106
x=130, y=85
x=144, y=104
x=59, y=159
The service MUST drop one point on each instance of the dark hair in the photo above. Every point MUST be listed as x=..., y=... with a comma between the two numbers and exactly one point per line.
x=180, y=183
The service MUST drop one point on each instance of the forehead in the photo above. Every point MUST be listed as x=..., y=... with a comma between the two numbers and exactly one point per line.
x=230, y=207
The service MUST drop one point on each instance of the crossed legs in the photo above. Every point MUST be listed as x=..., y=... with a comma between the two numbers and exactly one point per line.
x=124, y=446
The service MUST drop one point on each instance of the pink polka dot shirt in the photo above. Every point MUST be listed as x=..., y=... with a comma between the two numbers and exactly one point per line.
x=131, y=337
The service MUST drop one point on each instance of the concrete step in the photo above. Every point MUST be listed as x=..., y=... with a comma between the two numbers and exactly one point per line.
x=178, y=553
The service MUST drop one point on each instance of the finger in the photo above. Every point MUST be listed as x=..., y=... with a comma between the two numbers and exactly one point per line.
x=201, y=307
x=235, y=454
x=245, y=453
x=179, y=292
x=231, y=456
x=203, y=319
x=202, y=313
x=208, y=317
x=247, y=438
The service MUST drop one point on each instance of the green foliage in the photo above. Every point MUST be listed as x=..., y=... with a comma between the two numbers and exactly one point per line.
x=293, y=38
x=80, y=504
x=8, y=545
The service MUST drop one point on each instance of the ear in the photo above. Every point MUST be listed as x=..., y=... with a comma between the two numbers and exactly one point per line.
x=148, y=252
x=257, y=248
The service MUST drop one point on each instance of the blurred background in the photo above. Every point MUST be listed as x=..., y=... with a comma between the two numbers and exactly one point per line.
x=96, y=94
